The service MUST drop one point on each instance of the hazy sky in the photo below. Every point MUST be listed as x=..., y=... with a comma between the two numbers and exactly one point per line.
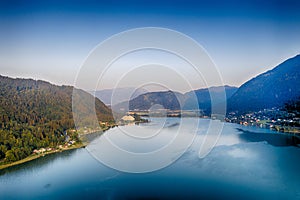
x=50, y=40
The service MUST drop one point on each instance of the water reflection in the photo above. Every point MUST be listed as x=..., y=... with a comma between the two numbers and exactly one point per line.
x=272, y=139
x=39, y=163
x=241, y=165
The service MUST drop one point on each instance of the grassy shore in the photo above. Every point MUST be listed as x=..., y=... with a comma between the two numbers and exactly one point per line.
x=36, y=156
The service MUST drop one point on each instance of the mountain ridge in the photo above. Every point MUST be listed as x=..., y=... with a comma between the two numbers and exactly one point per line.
x=192, y=100
x=270, y=89
x=36, y=114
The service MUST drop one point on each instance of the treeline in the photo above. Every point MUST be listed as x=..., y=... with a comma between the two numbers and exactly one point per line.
x=293, y=110
x=36, y=114
x=293, y=107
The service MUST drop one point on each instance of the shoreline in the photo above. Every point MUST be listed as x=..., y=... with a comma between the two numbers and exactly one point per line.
x=31, y=157
x=83, y=144
x=36, y=156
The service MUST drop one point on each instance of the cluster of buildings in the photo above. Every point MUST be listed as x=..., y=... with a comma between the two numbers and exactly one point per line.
x=42, y=150
x=49, y=149
x=275, y=119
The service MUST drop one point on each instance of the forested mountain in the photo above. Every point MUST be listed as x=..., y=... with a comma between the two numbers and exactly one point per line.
x=270, y=89
x=176, y=101
x=37, y=114
x=168, y=99
x=293, y=107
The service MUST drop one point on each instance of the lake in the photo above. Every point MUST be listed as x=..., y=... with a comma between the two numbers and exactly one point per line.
x=246, y=162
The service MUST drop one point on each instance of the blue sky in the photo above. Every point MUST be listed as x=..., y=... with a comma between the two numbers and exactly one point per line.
x=49, y=40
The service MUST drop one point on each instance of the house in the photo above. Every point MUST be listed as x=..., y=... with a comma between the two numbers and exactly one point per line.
x=36, y=151
x=127, y=119
x=42, y=150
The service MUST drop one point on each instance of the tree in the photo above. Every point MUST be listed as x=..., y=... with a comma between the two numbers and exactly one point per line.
x=3, y=150
x=10, y=156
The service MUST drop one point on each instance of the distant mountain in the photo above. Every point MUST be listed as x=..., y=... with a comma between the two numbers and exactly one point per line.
x=204, y=97
x=176, y=101
x=167, y=99
x=119, y=94
x=36, y=114
x=270, y=89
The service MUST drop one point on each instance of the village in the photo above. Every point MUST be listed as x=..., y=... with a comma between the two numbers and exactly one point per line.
x=66, y=146
x=274, y=119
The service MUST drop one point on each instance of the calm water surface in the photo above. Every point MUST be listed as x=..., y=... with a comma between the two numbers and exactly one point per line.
x=247, y=163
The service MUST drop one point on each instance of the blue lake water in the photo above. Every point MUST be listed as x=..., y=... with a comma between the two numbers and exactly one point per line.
x=246, y=162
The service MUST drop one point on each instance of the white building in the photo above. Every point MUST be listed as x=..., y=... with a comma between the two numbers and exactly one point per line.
x=127, y=118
